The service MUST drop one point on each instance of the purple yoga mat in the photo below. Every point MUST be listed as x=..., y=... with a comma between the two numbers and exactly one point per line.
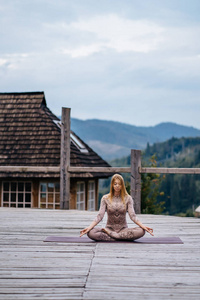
x=143, y=240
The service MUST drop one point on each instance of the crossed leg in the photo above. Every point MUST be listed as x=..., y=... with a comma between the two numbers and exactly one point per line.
x=105, y=234
x=126, y=233
x=98, y=235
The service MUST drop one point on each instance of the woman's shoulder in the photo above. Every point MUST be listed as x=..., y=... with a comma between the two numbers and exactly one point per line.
x=128, y=198
x=105, y=200
x=105, y=197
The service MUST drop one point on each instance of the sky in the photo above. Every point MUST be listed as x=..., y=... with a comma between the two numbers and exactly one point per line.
x=132, y=61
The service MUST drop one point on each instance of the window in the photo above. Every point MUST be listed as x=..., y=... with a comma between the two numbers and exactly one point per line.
x=80, y=196
x=91, y=195
x=49, y=195
x=16, y=194
x=75, y=140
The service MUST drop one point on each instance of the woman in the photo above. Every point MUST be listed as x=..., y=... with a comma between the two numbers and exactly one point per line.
x=116, y=203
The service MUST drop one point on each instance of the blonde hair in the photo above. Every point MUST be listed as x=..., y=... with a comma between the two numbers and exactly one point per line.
x=123, y=191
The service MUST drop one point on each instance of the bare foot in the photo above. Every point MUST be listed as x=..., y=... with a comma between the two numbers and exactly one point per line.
x=109, y=233
x=104, y=230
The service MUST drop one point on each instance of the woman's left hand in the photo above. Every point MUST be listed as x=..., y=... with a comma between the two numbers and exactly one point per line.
x=149, y=230
x=84, y=231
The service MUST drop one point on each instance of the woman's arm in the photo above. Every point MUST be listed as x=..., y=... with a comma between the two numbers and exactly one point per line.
x=98, y=218
x=134, y=218
x=87, y=229
x=148, y=229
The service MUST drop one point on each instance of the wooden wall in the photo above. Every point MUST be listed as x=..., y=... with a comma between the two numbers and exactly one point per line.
x=73, y=190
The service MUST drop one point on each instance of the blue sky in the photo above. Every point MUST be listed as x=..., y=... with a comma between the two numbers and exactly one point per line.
x=131, y=61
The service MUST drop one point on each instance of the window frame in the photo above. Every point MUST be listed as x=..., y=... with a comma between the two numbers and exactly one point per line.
x=74, y=139
x=17, y=203
x=78, y=193
x=49, y=205
x=91, y=200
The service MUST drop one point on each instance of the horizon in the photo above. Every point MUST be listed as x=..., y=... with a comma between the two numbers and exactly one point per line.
x=115, y=121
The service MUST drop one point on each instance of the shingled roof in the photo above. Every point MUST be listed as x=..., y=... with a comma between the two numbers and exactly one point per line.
x=30, y=136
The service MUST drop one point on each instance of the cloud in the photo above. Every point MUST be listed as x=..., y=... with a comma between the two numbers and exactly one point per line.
x=84, y=50
x=3, y=62
x=114, y=32
x=105, y=59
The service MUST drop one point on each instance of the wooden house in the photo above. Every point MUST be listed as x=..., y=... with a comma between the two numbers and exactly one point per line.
x=30, y=135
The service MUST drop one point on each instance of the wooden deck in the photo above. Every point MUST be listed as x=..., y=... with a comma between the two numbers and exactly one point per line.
x=32, y=269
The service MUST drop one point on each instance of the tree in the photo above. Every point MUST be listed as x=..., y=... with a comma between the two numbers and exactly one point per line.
x=175, y=203
x=150, y=191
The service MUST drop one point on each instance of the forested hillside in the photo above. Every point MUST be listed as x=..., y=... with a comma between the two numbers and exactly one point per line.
x=183, y=152
x=181, y=193
x=114, y=139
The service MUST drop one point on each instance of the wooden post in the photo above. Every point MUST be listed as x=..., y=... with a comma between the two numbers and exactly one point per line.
x=65, y=159
x=136, y=179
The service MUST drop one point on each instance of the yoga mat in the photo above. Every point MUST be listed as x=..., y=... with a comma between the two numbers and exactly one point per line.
x=143, y=240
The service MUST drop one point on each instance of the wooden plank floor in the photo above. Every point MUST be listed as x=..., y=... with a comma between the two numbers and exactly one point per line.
x=32, y=269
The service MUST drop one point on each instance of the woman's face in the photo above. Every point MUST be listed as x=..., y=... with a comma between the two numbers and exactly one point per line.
x=117, y=186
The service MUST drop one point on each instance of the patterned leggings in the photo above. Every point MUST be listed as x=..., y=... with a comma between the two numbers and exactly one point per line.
x=101, y=234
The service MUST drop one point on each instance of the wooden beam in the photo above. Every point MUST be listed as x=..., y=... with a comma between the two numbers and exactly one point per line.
x=26, y=169
x=65, y=159
x=99, y=169
x=45, y=169
x=136, y=179
x=170, y=170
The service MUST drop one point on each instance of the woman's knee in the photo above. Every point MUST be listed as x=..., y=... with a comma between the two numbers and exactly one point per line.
x=90, y=233
x=93, y=233
x=142, y=232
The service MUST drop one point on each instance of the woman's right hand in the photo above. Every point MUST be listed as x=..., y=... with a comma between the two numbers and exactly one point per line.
x=149, y=230
x=84, y=231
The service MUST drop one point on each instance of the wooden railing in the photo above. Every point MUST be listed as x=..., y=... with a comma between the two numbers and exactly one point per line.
x=170, y=170
x=35, y=169
x=135, y=169
x=65, y=169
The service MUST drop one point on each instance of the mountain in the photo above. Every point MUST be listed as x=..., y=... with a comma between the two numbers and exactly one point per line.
x=112, y=139
x=176, y=152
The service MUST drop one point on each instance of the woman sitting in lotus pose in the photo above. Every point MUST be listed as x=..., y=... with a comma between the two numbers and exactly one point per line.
x=116, y=203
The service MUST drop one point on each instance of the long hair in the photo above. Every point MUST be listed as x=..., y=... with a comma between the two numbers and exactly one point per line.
x=123, y=189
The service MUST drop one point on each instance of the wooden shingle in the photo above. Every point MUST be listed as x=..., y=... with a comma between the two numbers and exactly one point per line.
x=29, y=135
